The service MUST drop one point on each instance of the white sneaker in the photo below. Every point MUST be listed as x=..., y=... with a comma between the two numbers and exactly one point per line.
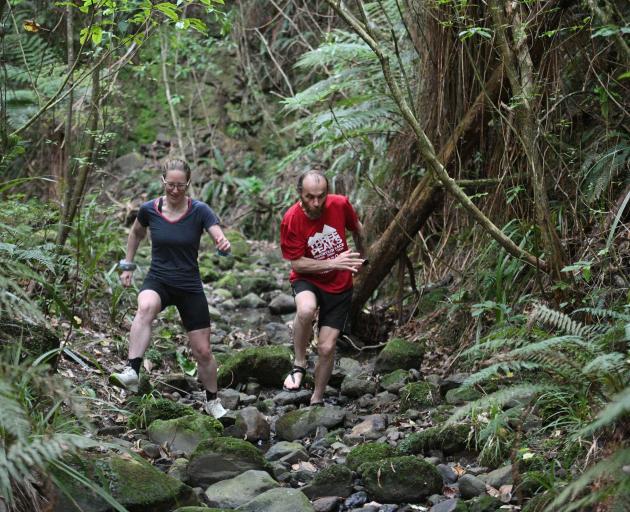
x=127, y=379
x=214, y=408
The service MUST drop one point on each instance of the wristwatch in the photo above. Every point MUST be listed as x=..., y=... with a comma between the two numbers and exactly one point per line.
x=125, y=265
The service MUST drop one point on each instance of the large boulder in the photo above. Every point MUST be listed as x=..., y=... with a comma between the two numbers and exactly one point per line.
x=131, y=481
x=335, y=480
x=279, y=500
x=222, y=458
x=240, y=489
x=301, y=423
x=368, y=452
x=266, y=365
x=184, y=434
x=399, y=354
x=356, y=387
x=401, y=479
x=450, y=439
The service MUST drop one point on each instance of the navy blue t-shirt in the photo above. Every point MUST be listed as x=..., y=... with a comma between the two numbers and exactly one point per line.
x=175, y=244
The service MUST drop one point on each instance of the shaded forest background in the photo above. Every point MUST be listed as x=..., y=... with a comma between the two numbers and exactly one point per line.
x=485, y=145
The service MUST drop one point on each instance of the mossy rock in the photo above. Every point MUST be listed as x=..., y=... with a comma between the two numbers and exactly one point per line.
x=395, y=380
x=441, y=413
x=461, y=395
x=400, y=479
x=302, y=423
x=209, y=275
x=267, y=365
x=258, y=284
x=131, y=481
x=240, y=248
x=399, y=354
x=334, y=480
x=368, y=452
x=231, y=283
x=146, y=412
x=222, y=458
x=418, y=395
x=184, y=434
x=451, y=439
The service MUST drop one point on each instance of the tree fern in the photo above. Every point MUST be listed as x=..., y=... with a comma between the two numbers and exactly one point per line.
x=612, y=479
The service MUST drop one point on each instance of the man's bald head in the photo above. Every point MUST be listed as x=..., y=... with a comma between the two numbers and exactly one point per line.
x=314, y=177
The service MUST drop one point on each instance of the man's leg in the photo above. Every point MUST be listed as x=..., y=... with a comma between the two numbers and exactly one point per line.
x=306, y=304
x=325, y=362
x=206, y=363
x=149, y=305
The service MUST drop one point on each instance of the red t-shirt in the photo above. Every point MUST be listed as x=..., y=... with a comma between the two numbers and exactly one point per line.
x=319, y=239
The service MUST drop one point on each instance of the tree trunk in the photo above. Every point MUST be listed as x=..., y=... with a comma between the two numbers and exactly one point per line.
x=426, y=147
x=424, y=199
x=90, y=160
x=518, y=65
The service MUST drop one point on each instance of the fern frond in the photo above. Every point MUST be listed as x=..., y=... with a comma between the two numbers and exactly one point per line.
x=614, y=362
x=619, y=406
x=605, y=313
x=492, y=346
x=499, y=370
x=560, y=321
x=500, y=397
x=13, y=420
x=609, y=469
x=554, y=343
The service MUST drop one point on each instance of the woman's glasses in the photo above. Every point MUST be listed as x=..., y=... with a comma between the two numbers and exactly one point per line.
x=172, y=185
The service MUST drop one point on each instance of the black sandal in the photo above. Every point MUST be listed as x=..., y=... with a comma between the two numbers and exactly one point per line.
x=296, y=369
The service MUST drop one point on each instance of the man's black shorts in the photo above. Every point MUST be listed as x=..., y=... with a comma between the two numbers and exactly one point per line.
x=334, y=308
x=192, y=307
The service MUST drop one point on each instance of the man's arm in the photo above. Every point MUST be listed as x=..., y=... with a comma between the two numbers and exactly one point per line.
x=347, y=260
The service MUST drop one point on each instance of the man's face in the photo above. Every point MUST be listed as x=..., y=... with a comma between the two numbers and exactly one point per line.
x=313, y=196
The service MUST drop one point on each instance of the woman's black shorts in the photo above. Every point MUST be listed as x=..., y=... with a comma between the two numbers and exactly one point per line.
x=192, y=307
x=334, y=308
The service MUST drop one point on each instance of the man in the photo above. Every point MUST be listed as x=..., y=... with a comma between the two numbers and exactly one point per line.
x=313, y=239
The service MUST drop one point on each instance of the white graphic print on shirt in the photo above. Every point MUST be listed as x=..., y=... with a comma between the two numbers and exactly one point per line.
x=325, y=245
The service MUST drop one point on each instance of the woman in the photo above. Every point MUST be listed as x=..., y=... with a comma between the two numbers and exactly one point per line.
x=177, y=223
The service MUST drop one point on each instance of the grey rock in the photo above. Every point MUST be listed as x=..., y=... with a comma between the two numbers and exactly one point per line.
x=293, y=397
x=498, y=477
x=278, y=500
x=184, y=434
x=355, y=387
x=229, y=398
x=240, y=489
x=252, y=425
x=284, y=448
x=304, y=422
x=449, y=505
x=178, y=469
x=470, y=486
x=251, y=300
x=282, y=304
x=371, y=428
x=278, y=333
x=448, y=474
x=327, y=504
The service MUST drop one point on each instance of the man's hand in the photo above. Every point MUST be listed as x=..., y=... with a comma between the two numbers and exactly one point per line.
x=126, y=277
x=348, y=260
